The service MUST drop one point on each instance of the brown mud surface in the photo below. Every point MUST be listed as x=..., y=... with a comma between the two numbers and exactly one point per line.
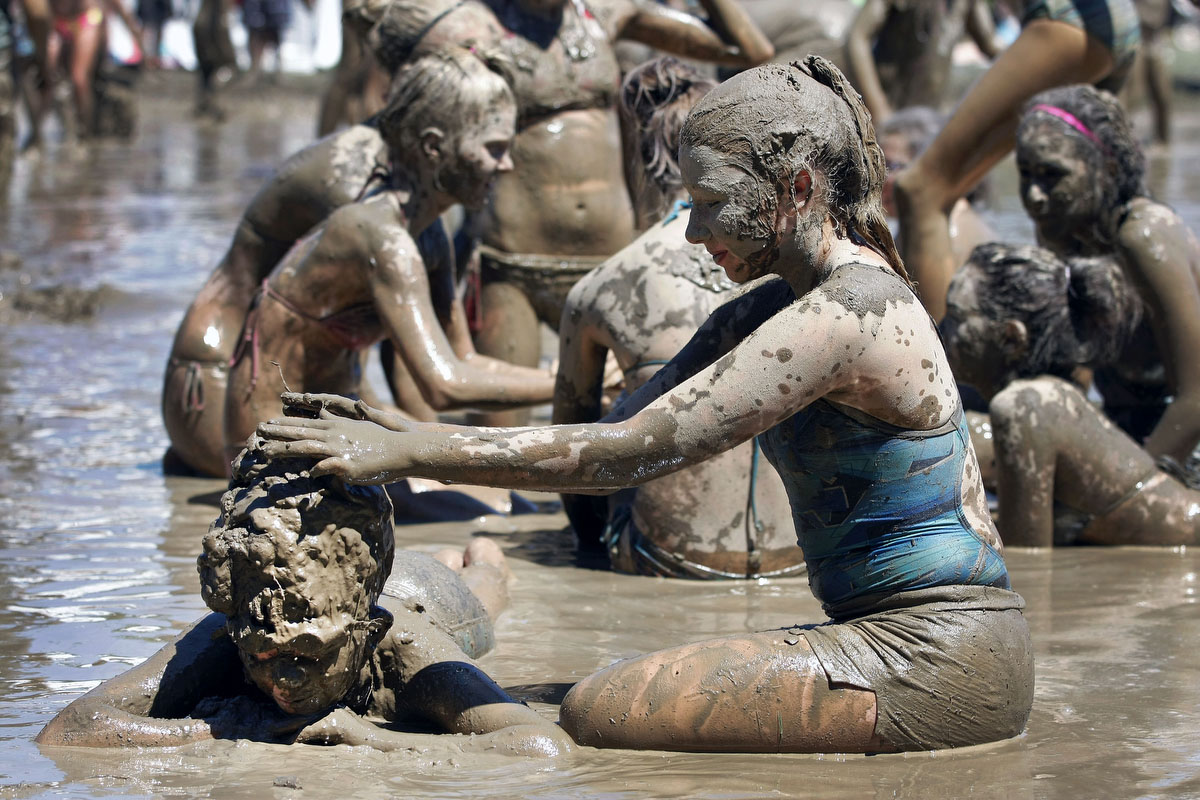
x=98, y=548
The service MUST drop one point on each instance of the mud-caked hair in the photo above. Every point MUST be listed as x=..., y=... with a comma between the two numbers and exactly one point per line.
x=393, y=29
x=780, y=119
x=1119, y=166
x=280, y=528
x=451, y=89
x=654, y=101
x=1077, y=312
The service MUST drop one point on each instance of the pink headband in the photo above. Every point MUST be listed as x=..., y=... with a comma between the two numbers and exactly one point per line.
x=1074, y=122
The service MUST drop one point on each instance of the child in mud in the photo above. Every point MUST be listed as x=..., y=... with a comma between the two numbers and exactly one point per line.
x=727, y=517
x=565, y=208
x=321, y=178
x=899, y=51
x=358, y=278
x=1061, y=42
x=1018, y=321
x=1082, y=183
x=840, y=373
x=301, y=646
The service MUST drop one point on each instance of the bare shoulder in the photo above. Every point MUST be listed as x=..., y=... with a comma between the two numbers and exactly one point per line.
x=1146, y=223
x=868, y=293
x=1028, y=399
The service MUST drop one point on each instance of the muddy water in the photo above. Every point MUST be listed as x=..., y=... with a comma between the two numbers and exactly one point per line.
x=97, y=548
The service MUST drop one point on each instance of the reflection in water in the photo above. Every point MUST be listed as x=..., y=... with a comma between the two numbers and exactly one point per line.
x=97, y=549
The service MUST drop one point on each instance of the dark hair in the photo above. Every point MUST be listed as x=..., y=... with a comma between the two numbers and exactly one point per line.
x=655, y=99
x=1119, y=161
x=1078, y=312
x=781, y=119
x=277, y=525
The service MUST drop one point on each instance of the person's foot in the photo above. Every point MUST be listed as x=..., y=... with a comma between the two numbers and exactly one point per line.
x=482, y=550
x=451, y=558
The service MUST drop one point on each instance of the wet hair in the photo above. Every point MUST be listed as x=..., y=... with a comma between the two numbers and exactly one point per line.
x=278, y=528
x=444, y=89
x=1078, y=312
x=779, y=120
x=393, y=28
x=1119, y=164
x=654, y=101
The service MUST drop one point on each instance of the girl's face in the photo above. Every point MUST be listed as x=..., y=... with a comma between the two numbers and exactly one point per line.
x=480, y=153
x=733, y=213
x=1058, y=180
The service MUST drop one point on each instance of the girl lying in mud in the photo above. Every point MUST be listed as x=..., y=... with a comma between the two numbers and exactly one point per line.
x=726, y=517
x=1018, y=321
x=840, y=372
x=310, y=637
x=1082, y=183
x=359, y=278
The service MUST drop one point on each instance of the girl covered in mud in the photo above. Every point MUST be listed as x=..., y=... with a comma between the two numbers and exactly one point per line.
x=840, y=373
x=565, y=208
x=1082, y=183
x=307, y=188
x=1019, y=320
x=309, y=635
x=359, y=278
x=1062, y=42
x=727, y=517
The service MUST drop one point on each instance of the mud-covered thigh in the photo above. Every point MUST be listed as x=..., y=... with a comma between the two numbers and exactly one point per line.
x=756, y=692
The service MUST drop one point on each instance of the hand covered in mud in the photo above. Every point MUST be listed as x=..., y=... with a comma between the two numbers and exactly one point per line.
x=357, y=451
x=324, y=406
x=245, y=717
x=340, y=726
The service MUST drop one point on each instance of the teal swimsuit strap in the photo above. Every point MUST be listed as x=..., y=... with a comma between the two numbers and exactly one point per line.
x=680, y=205
x=654, y=362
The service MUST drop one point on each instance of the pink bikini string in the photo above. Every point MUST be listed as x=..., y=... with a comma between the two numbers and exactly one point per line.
x=1074, y=122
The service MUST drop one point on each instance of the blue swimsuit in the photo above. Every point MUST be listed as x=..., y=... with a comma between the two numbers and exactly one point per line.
x=878, y=509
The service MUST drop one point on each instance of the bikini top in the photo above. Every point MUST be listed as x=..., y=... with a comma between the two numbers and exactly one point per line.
x=588, y=75
x=878, y=508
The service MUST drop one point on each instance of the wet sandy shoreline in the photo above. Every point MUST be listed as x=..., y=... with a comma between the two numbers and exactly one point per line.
x=97, y=548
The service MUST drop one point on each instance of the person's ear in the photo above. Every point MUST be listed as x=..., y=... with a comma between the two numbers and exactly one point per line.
x=802, y=189
x=432, y=142
x=1014, y=340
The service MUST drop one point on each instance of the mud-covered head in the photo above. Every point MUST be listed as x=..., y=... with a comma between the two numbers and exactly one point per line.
x=1079, y=164
x=1018, y=311
x=655, y=99
x=449, y=123
x=296, y=565
x=766, y=131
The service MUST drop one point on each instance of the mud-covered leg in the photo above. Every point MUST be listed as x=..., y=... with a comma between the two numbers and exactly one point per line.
x=509, y=333
x=484, y=569
x=981, y=131
x=749, y=693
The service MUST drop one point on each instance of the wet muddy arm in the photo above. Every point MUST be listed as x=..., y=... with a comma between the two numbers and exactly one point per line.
x=400, y=287
x=768, y=377
x=982, y=29
x=148, y=705
x=1159, y=250
x=730, y=37
x=1026, y=456
x=860, y=57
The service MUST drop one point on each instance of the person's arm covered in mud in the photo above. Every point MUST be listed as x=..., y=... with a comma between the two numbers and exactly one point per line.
x=860, y=57
x=154, y=703
x=730, y=37
x=747, y=391
x=982, y=29
x=1159, y=247
x=401, y=291
x=578, y=393
x=428, y=675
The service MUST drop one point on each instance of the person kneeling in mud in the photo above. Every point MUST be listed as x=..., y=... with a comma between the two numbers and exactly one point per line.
x=310, y=639
x=727, y=517
x=1018, y=322
x=358, y=278
x=840, y=373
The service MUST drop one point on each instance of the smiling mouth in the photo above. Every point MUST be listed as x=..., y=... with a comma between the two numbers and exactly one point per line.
x=717, y=255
